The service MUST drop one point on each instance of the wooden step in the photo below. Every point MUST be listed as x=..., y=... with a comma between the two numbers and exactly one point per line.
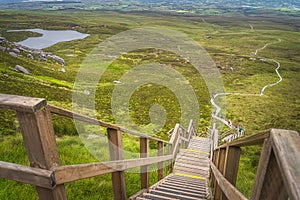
x=180, y=192
x=158, y=197
x=182, y=188
x=172, y=195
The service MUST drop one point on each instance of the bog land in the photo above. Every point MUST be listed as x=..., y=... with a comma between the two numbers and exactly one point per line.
x=228, y=38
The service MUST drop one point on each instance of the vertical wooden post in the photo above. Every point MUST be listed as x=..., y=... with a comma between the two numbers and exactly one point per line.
x=261, y=173
x=144, y=148
x=170, y=151
x=222, y=153
x=160, y=165
x=116, y=153
x=216, y=162
x=39, y=139
x=232, y=159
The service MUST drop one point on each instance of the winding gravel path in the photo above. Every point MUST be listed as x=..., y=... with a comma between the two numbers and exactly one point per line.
x=218, y=108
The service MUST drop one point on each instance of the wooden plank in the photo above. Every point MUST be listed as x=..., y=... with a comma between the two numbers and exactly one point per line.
x=286, y=147
x=221, y=164
x=231, y=165
x=21, y=104
x=70, y=114
x=142, y=135
x=116, y=153
x=138, y=194
x=144, y=153
x=273, y=185
x=172, y=195
x=250, y=140
x=70, y=173
x=83, y=118
x=175, y=134
x=216, y=162
x=170, y=162
x=262, y=169
x=160, y=165
x=179, y=191
x=39, y=139
x=34, y=176
x=185, y=186
x=158, y=196
x=190, y=129
x=230, y=191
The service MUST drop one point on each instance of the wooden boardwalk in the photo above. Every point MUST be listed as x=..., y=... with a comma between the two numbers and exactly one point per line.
x=189, y=180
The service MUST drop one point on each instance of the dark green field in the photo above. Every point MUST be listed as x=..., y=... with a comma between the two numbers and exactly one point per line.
x=228, y=39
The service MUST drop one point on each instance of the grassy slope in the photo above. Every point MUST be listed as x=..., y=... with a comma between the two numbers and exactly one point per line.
x=229, y=41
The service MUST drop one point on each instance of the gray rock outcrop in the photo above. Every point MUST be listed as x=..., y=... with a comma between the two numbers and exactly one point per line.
x=19, y=68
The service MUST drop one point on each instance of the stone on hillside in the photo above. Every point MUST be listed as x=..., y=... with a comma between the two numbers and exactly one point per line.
x=19, y=68
x=29, y=56
x=13, y=54
x=117, y=82
x=63, y=70
x=16, y=50
x=2, y=48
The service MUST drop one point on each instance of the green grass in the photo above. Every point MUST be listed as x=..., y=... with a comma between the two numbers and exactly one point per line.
x=229, y=41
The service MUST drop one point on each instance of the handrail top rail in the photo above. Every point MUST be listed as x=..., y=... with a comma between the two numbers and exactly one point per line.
x=285, y=145
x=32, y=105
x=250, y=140
x=76, y=116
x=21, y=103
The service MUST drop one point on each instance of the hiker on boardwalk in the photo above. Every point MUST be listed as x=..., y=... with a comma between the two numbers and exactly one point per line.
x=230, y=123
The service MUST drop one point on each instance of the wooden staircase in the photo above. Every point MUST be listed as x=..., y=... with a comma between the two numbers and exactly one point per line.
x=190, y=176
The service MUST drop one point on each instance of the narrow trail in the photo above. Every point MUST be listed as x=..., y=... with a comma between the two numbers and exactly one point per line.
x=218, y=108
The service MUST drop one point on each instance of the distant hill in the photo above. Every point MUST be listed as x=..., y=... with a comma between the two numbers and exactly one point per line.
x=292, y=4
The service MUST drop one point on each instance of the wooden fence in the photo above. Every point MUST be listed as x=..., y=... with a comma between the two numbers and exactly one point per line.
x=48, y=176
x=278, y=173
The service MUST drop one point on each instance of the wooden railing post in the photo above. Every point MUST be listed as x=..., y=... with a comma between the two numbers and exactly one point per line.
x=116, y=153
x=39, y=139
x=170, y=152
x=232, y=159
x=144, y=148
x=160, y=165
x=216, y=163
x=221, y=163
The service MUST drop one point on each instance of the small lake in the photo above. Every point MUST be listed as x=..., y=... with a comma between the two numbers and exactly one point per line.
x=49, y=37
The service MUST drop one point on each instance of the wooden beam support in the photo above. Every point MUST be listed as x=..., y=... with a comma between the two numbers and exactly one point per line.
x=230, y=191
x=34, y=176
x=170, y=162
x=261, y=170
x=39, y=139
x=273, y=186
x=70, y=173
x=160, y=165
x=221, y=164
x=144, y=153
x=116, y=153
x=250, y=140
x=232, y=159
x=286, y=147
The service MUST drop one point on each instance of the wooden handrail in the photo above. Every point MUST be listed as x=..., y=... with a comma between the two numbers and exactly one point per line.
x=83, y=118
x=230, y=191
x=35, y=176
x=45, y=172
x=70, y=173
x=76, y=116
x=280, y=155
x=248, y=141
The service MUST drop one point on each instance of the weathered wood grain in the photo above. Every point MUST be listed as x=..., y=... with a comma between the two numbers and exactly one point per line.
x=34, y=176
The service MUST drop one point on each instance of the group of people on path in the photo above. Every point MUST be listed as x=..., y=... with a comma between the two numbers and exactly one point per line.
x=238, y=128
